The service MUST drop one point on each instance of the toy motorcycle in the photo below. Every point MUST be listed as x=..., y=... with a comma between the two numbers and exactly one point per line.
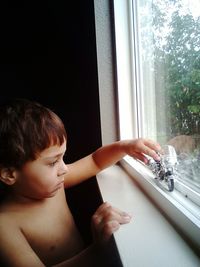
x=165, y=167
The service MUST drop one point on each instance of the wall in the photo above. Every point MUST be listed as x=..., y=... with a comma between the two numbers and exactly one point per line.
x=45, y=46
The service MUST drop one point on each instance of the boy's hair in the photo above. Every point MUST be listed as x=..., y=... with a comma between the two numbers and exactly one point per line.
x=27, y=128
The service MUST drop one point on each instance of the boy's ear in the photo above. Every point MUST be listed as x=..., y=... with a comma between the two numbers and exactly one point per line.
x=8, y=176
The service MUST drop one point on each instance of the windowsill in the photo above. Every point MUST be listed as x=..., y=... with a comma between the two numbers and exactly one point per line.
x=149, y=239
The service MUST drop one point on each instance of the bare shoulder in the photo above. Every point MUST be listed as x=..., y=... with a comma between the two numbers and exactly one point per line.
x=8, y=229
x=14, y=248
x=7, y=224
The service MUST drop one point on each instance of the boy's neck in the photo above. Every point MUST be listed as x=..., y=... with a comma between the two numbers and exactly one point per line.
x=13, y=197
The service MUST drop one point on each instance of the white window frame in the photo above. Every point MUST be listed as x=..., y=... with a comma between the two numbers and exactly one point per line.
x=181, y=211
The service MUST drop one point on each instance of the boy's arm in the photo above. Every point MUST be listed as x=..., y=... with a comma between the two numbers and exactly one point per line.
x=90, y=257
x=105, y=221
x=108, y=155
x=15, y=251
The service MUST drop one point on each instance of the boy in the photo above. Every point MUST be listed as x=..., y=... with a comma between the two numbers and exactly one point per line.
x=36, y=226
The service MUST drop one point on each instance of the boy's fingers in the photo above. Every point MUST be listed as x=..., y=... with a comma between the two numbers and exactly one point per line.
x=114, y=214
x=106, y=210
x=106, y=206
x=109, y=228
x=145, y=147
x=102, y=207
x=140, y=157
x=152, y=144
x=150, y=152
x=107, y=220
x=152, y=147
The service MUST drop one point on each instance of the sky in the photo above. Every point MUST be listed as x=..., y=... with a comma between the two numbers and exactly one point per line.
x=194, y=6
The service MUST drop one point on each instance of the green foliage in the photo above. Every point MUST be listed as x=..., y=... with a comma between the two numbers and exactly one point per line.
x=181, y=57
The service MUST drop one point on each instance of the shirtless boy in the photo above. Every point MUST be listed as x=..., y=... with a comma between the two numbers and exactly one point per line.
x=36, y=226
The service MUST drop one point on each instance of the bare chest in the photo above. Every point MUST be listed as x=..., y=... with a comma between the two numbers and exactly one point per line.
x=51, y=232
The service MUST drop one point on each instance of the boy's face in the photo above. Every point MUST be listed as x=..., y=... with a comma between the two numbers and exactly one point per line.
x=43, y=177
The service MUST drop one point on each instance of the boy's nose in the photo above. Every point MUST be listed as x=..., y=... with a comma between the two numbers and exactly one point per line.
x=63, y=169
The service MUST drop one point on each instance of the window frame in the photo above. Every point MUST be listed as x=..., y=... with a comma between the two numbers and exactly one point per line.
x=176, y=206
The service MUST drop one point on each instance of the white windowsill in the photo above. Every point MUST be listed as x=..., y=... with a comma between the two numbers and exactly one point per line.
x=149, y=240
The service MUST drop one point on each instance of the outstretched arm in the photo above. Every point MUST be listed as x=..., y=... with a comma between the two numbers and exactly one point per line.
x=137, y=148
x=108, y=155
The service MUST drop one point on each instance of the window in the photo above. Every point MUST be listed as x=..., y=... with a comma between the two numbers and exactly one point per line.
x=158, y=78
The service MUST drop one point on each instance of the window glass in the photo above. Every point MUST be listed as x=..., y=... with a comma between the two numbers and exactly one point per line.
x=168, y=59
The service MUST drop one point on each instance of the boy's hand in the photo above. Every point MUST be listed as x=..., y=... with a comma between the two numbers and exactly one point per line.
x=106, y=220
x=140, y=147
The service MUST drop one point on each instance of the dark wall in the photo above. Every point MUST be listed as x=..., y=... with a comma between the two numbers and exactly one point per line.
x=48, y=50
x=48, y=54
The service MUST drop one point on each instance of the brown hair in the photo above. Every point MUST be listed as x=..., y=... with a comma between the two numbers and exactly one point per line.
x=27, y=128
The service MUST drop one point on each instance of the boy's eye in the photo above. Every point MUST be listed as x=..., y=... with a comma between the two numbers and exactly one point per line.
x=53, y=163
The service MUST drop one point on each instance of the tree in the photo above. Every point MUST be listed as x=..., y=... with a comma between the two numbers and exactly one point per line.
x=179, y=51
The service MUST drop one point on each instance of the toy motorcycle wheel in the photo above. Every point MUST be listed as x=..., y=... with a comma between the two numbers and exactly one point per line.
x=171, y=184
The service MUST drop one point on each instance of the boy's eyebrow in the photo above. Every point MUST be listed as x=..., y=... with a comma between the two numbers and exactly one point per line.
x=55, y=156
